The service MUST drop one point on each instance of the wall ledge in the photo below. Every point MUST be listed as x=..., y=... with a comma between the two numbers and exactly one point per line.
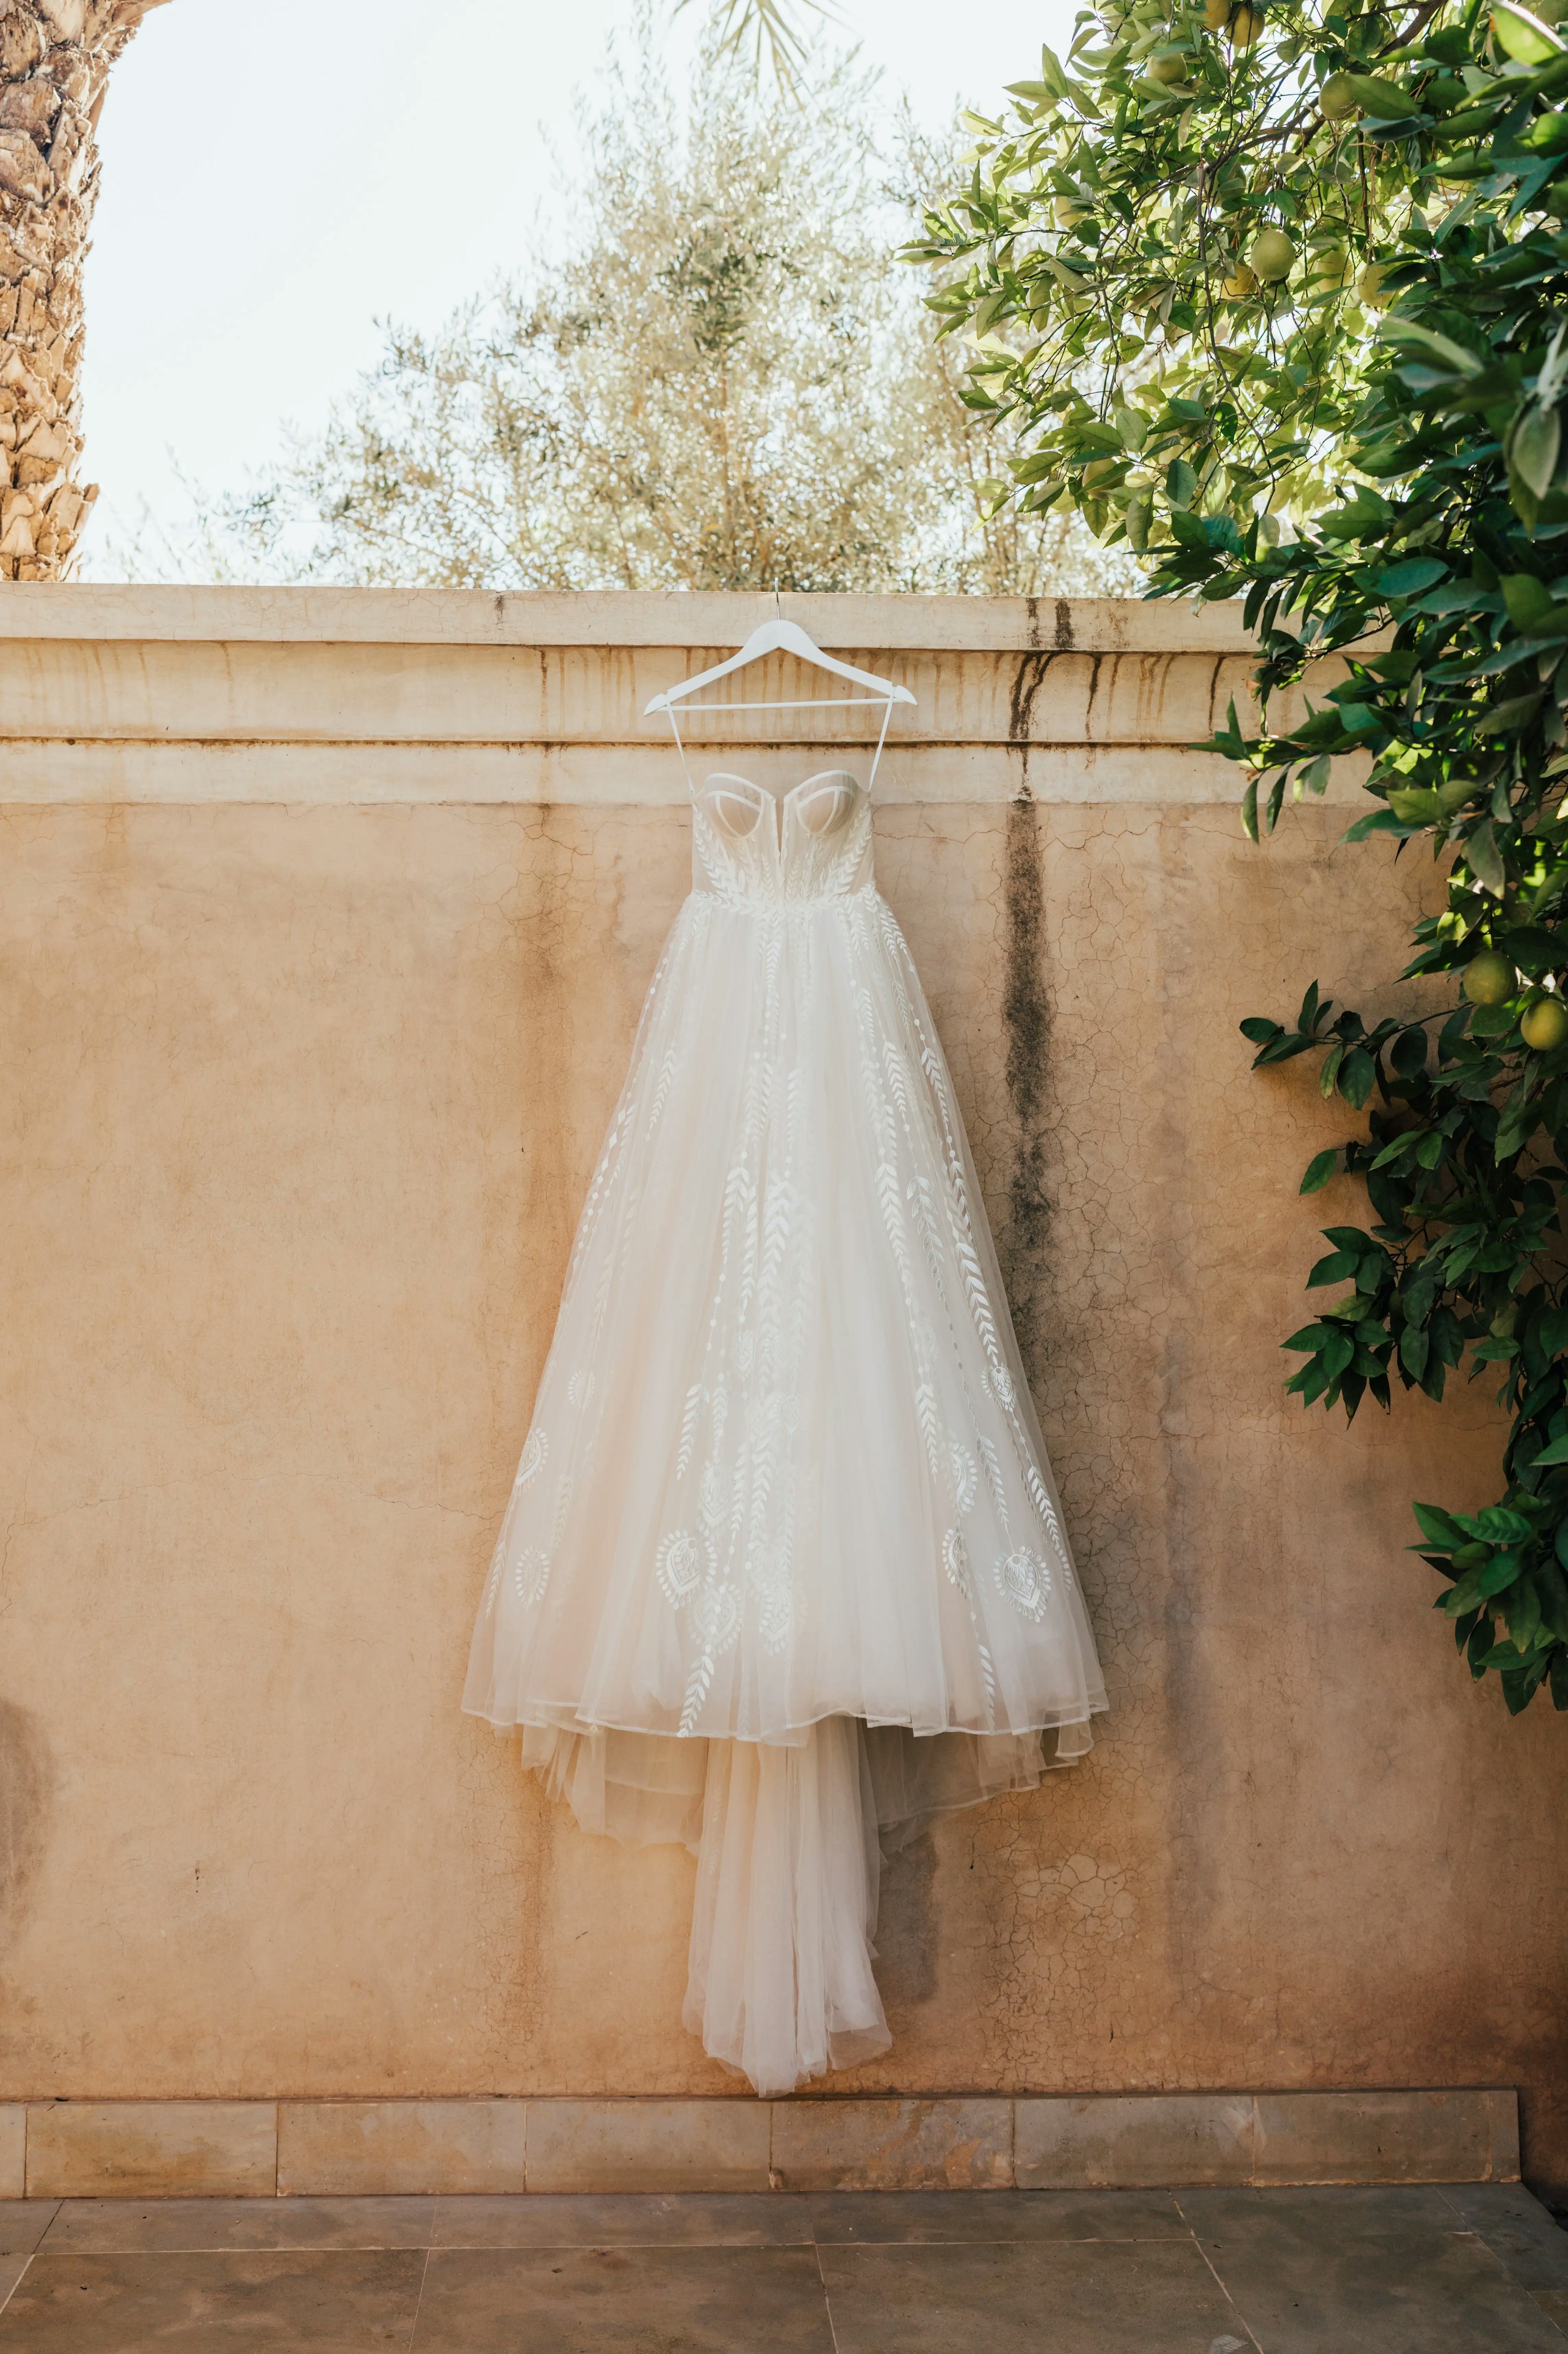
x=614, y=617
x=154, y=2149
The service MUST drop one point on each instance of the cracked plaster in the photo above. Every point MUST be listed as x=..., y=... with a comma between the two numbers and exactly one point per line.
x=301, y=1104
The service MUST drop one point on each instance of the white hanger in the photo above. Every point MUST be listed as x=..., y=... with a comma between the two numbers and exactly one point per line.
x=779, y=636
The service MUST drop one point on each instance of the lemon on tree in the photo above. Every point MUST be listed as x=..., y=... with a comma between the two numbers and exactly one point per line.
x=1544, y=1025
x=1490, y=978
x=1272, y=257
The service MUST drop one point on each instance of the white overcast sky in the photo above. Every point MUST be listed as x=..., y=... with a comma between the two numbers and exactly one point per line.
x=278, y=176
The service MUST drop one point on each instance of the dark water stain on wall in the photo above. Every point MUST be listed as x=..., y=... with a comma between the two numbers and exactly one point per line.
x=26, y=1794
x=1026, y=1016
x=906, y=1925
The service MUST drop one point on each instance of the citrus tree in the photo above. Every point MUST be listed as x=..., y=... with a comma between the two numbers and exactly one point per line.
x=1283, y=300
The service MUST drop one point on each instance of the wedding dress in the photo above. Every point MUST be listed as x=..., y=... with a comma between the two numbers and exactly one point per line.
x=783, y=1573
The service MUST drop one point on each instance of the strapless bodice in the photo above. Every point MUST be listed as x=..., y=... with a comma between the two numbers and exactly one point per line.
x=762, y=853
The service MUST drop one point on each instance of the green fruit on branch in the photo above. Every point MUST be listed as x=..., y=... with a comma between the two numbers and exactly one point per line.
x=1490, y=978
x=1544, y=1024
x=1329, y=267
x=1216, y=14
x=1335, y=98
x=1167, y=69
x=1245, y=27
x=1273, y=257
x=1370, y=286
x=1241, y=282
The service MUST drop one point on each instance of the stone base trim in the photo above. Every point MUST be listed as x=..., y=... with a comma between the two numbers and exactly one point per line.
x=227, y=2149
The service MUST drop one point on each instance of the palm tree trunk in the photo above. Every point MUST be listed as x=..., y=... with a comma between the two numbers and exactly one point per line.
x=55, y=56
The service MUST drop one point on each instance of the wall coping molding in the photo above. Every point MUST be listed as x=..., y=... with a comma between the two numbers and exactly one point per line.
x=90, y=610
x=327, y=2148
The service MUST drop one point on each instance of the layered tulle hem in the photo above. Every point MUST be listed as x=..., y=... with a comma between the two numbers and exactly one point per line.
x=790, y=1840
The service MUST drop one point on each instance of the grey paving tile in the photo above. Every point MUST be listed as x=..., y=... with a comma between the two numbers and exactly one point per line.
x=1081, y=2297
x=1555, y=2302
x=11, y=2271
x=1344, y=2211
x=622, y=2301
x=1342, y=2269
x=567, y=2219
x=868, y=2218
x=1531, y=2247
x=115, y=2226
x=23, y=2222
x=348, y=2302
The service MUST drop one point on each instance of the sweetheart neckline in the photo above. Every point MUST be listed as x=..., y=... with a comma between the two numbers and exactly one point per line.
x=779, y=801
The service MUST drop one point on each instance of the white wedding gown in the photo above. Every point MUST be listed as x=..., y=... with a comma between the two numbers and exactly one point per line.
x=783, y=1567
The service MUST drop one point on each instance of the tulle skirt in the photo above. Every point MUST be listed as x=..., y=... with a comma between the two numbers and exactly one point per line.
x=784, y=1571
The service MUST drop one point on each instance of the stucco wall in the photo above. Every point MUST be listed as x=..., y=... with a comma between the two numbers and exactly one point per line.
x=326, y=920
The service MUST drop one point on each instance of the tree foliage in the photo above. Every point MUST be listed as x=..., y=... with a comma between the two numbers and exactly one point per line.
x=1412, y=460
x=712, y=379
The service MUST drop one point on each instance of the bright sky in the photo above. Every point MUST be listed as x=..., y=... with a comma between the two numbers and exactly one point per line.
x=277, y=177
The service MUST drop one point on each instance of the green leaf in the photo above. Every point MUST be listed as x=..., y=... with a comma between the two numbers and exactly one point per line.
x=1533, y=449
x=1557, y=1452
x=1484, y=859
x=1411, y=334
x=1180, y=484
x=1319, y=1169
x=1356, y=1076
x=1408, y=579
x=1517, y=711
x=1523, y=36
x=1439, y=1527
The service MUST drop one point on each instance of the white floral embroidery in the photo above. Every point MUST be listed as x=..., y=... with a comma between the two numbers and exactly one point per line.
x=1025, y=1580
x=955, y=1561
x=1001, y=1383
x=717, y=1617
x=563, y=1506
x=678, y=1565
x=579, y=1389
x=531, y=1574
x=776, y=1619
x=533, y=1453
x=966, y=1475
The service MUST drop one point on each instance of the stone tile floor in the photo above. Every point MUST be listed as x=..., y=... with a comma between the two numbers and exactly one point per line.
x=1481, y=2270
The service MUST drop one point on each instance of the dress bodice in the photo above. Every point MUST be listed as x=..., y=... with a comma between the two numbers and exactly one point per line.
x=760, y=853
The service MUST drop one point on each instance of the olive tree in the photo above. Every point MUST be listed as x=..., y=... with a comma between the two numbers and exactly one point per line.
x=719, y=379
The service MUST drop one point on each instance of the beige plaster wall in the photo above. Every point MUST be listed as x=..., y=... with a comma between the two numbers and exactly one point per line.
x=302, y=1086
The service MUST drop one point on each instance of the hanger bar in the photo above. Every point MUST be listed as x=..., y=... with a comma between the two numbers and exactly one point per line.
x=803, y=703
x=780, y=637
